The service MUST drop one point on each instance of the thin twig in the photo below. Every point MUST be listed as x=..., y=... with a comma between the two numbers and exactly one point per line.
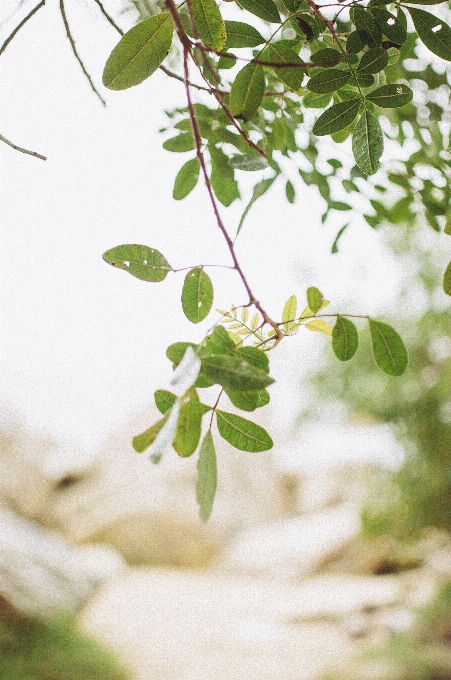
x=22, y=23
x=108, y=17
x=171, y=74
x=74, y=50
x=19, y=148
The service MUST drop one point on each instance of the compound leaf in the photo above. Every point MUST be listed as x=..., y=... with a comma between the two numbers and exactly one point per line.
x=373, y=61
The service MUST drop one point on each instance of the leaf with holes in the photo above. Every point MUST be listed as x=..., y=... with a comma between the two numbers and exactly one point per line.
x=209, y=23
x=242, y=35
x=367, y=143
x=338, y=117
x=186, y=179
x=328, y=81
x=139, y=52
x=433, y=32
x=234, y=373
x=276, y=53
x=447, y=280
x=197, y=295
x=388, y=348
x=345, y=339
x=264, y=9
x=373, y=61
x=142, y=262
x=207, y=478
x=390, y=96
x=243, y=434
x=394, y=27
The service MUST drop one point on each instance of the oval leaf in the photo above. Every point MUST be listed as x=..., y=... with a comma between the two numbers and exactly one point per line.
x=319, y=326
x=328, y=81
x=388, y=348
x=197, y=295
x=164, y=400
x=243, y=434
x=363, y=21
x=373, y=61
x=247, y=92
x=326, y=57
x=248, y=401
x=277, y=53
x=395, y=28
x=447, y=280
x=209, y=23
x=356, y=42
x=314, y=299
x=242, y=35
x=433, y=32
x=265, y=9
x=186, y=179
x=254, y=356
x=142, y=262
x=390, y=96
x=336, y=118
x=345, y=339
x=207, y=479
x=367, y=143
x=180, y=143
x=139, y=52
x=234, y=373
x=142, y=441
x=248, y=162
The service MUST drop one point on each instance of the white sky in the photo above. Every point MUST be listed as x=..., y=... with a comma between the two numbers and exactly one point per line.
x=82, y=344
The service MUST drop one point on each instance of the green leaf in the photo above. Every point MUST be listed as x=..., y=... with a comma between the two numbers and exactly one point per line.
x=219, y=342
x=364, y=21
x=139, y=52
x=189, y=428
x=222, y=177
x=395, y=28
x=388, y=348
x=314, y=299
x=209, y=23
x=247, y=92
x=447, y=280
x=319, y=326
x=390, y=96
x=197, y=295
x=243, y=434
x=356, y=42
x=277, y=53
x=433, y=32
x=186, y=179
x=327, y=57
x=207, y=479
x=328, y=81
x=234, y=373
x=316, y=101
x=447, y=228
x=142, y=441
x=345, y=339
x=142, y=262
x=248, y=401
x=242, y=35
x=336, y=118
x=289, y=311
x=176, y=351
x=180, y=143
x=337, y=238
x=423, y=2
x=373, y=61
x=259, y=189
x=367, y=143
x=264, y=9
x=290, y=192
x=248, y=162
x=164, y=400
x=364, y=80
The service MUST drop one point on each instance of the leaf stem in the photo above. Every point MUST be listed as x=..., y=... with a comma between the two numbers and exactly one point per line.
x=22, y=150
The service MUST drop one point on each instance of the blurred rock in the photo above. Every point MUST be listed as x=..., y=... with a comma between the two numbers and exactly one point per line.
x=41, y=574
x=292, y=548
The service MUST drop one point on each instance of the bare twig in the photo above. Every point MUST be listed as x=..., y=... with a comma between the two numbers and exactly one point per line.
x=19, y=26
x=108, y=17
x=19, y=148
x=77, y=56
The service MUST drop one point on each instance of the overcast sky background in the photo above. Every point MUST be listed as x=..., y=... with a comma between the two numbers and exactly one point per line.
x=82, y=344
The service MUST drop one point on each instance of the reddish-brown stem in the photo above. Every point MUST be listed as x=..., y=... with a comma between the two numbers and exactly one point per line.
x=19, y=26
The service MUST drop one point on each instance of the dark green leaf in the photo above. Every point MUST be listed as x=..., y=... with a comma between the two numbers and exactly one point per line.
x=388, y=348
x=186, y=179
x=345, y=339
x=423, y=2
x=447, y=280
x=139, y=52
x=247, y=91
x=367, y=143
x=207, y=477
x=197, y=295
x=142, y=262
x=226, y=62
x=189, y=428
x=289, y=191
x=209, y=23
x=337, y=238
x=390, y=96
x=164, y=400
x=234, y=373
x=243, y=434
x=142, y=441
x=364, y=79
x=395, y=28
x=373, y=61
x=336, y=118
x=219, y=342
x=242, y=35
x=180, y=143
x=254, y=356
x=248, y=401
x=264, y=9
x=328, y=81
x=326, y=57
x=316, y=101
x=276, y=53
x=363, y=21
x=433, y=32
x=339, y=205
x=356, y=42
x=248, y=162
x=314, y=299
x=222, y=177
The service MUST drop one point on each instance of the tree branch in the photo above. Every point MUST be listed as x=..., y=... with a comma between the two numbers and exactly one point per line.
x=17, y=29
x=19, y=148
x=74, y=50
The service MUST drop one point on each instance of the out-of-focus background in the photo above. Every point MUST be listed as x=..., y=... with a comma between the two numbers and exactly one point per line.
x=327, y=558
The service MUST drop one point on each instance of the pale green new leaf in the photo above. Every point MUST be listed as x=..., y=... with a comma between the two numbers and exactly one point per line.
x=390, y=96
x=186, y=179
x=447, y=280
x=388, y=348
x=336, y=118
x=319, y=326
x=367, y=143
x=247, y=92
x=345, y=339
x=142, y=262
x=242, y=35
x=433, y=32
x=207, y=479
x=139, y=52
x=314, y=299
x=243, y=434
x=264, y=9
x=209, y=23
x=289, y=311
x=197, y=295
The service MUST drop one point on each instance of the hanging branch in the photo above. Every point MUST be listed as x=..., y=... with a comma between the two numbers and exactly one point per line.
x=17, y=29
x=74, y=50
x=22, y=150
